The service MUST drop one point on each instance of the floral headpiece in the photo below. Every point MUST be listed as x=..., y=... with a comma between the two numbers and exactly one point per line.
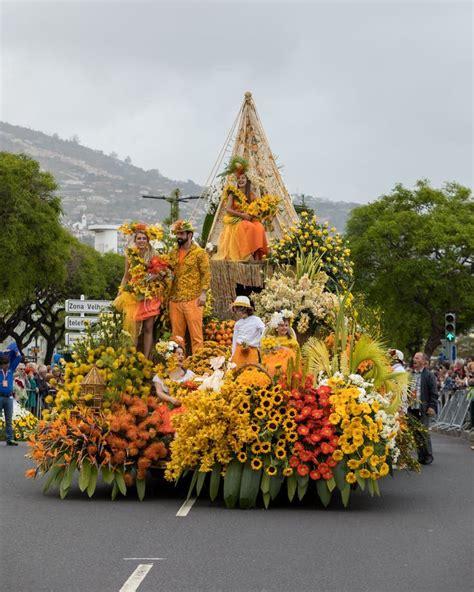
x=152, y=231
x=182, y=226
x=280, y=316
x=237, y=166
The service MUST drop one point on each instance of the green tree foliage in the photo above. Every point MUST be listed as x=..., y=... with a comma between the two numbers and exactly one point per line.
x=413, y=256
x=42, y=264
x=33, y=244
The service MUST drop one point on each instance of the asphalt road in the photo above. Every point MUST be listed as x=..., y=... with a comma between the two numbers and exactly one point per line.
x=416, y=537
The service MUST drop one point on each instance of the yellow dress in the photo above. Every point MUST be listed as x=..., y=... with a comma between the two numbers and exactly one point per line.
x=280, y=351
x=240, y=239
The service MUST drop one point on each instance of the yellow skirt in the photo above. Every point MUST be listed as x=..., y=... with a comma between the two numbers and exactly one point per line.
x=240, y=240
x=242, y=356
x=128, y=305
x=277, y=361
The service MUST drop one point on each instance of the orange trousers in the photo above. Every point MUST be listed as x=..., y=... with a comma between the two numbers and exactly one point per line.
x=187, y=314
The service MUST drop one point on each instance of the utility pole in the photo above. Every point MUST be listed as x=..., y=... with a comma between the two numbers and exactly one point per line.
x=174, y=200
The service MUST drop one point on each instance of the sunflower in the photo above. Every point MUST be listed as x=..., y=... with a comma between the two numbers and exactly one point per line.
x=265, y=447
x=292, y=436
x=364, y=473
x=256, y=464
x=272, y=425
x=271, y=470
x=256, y=448
x=259, y=413
x=280, y=453
x=292, y=412
x=255, y=428
x=244, y=406
x=289, y=425
x=287, y=472
x=277, y=399
x=242, y=457
x=266, y=403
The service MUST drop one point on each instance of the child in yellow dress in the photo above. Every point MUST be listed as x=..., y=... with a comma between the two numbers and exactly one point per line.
x=279, y=343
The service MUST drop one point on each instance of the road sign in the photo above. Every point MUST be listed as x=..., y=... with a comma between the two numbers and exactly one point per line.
x=86, y=306
x=71, y=338
x=79, y=323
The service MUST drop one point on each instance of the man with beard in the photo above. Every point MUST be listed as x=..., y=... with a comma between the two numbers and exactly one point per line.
x=190, y=265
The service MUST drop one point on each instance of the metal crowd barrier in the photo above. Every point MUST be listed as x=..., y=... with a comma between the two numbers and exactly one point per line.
x=453, y=413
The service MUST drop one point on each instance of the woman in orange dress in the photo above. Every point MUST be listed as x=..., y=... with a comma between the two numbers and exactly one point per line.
x=243, y=237
x=281, y=347
x=172, y=406
x=144, y=285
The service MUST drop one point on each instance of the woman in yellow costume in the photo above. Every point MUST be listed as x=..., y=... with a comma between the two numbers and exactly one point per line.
x=279, y=344
x=145, y=283
x=243, y=237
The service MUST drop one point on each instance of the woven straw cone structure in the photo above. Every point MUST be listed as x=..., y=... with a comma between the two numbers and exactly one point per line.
x=252, y=144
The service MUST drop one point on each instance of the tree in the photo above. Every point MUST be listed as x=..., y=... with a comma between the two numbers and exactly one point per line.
x=413, y=258
x=127, y=160
x=33, y=244
x=42, y=264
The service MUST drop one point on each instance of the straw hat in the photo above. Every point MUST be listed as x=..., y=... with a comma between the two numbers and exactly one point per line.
x=243, y=301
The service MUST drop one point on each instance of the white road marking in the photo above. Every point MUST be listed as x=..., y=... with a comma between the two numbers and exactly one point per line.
x=144, y=558
x=186, y=507
x=137, y=577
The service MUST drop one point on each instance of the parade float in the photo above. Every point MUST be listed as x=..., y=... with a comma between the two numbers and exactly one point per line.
x=325, y=420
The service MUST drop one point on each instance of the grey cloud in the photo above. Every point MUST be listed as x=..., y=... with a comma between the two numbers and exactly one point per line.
x=353, y=96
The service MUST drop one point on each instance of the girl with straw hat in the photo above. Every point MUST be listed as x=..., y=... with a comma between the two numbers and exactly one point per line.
x=248, y=331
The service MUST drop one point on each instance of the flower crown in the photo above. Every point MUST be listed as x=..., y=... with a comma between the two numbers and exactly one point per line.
x=280, y=316
x=182, y=226
x=152, y=231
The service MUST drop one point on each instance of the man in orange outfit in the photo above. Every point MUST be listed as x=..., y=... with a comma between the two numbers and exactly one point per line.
x=192, y=276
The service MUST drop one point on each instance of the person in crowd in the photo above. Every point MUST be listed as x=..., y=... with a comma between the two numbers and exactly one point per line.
x=21, y=384
x=397, y=360
x=32, y=401
x=9, y=360
x=425, y=402
x=42, y=384
x=143, y=287
x=279, y=343
x=192, y=277
x=179, y=374
x=243, y=237
x=248, y=331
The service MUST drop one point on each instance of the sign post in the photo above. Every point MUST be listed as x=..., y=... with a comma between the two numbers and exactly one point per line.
x=78, y=323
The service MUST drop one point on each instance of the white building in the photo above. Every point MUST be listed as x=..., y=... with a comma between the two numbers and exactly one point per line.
x=105, y=237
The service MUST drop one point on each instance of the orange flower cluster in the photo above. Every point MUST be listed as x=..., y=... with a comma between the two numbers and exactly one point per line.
x=134, y=429
x=127, y=440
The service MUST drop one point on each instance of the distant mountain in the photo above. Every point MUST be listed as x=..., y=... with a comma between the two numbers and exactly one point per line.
x=97, y=188
x=101, y=187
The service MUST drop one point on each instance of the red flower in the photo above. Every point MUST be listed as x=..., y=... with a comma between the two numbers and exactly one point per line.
x=328, y=475
x=302, y=470
x=294, y=461
x=305, y=456
x=303, y=430
x=324, y=390
x=306, y=411
x=326, y=432
x=315, y=475
x=326, y=448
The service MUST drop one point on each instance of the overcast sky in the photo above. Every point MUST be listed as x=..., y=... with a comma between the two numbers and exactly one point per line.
x=354, y=96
